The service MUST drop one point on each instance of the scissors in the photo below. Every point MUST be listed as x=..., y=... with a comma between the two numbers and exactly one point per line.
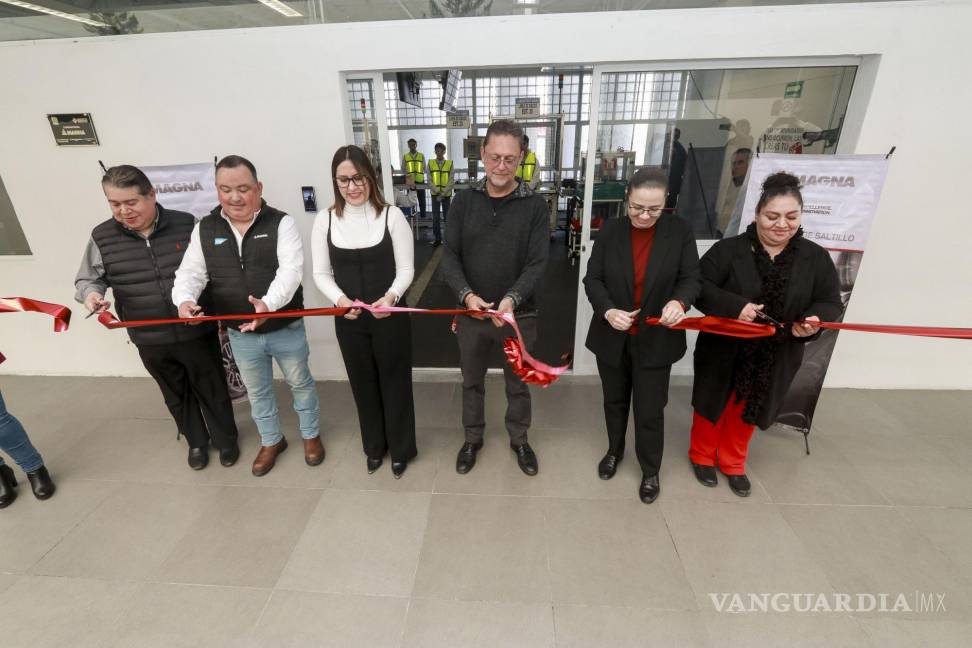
x=769, y=319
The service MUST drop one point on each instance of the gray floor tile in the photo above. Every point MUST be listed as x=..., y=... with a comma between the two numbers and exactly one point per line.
x=309, y=620
x=901, y=633
x=29, y=528
x=949, y=529
x=876, y=550
x=740, y=548
x=244, y=538
x=614, y=553
x=129, y=534
x=581, y=626
x=360, y=542
x=784, y=629
x=42, y=612
x=477, y=624
x=7, y=580
x=185, y=616
x=484, y=548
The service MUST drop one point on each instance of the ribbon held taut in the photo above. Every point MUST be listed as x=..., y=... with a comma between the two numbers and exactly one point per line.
x=528, y=368
x=741, y=329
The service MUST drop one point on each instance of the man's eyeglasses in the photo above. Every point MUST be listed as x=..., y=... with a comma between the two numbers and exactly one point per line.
x=637, y=210
x=509, y=160
x=344, y=181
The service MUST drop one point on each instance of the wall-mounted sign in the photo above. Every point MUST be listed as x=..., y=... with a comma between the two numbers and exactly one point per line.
x=458, y=119
x=75, y=129
x=793, y=90
x=527, y=107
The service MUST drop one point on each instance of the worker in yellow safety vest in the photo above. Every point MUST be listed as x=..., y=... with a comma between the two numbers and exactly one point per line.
x=441, y=171
x=414, y=165
x=528, y=169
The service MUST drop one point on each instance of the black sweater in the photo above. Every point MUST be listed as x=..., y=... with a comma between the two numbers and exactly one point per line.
x=499, y=250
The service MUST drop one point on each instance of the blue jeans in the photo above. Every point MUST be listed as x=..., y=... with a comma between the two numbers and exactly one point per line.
x=14, y=441
x=255, y=353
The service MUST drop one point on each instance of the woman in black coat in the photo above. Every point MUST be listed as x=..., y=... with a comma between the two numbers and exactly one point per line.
x=643, y=265
x=770, y=270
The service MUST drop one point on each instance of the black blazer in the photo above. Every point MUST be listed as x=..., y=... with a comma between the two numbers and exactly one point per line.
x=672, y=273
x=730, y=281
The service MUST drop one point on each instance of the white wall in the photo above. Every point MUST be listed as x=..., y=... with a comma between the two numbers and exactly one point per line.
x=275, y=95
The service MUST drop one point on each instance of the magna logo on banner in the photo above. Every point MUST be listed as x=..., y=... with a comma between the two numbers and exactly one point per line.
x=178, y=187
x=830, y=181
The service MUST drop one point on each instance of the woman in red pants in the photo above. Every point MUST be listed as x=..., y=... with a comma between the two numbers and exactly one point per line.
x=769, y=270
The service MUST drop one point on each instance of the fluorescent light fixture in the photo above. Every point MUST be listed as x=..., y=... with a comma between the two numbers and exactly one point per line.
x=280, y=7
x=52, y=12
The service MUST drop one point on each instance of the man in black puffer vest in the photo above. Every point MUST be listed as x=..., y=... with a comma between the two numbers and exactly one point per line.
x=251, y=258
x=136, y=253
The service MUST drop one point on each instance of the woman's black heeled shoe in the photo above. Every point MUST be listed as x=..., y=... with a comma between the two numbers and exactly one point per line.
x=8, y=486
x=41, y=483
x=398, y=468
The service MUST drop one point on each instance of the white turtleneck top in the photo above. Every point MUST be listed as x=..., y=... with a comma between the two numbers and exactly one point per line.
x=361, y=227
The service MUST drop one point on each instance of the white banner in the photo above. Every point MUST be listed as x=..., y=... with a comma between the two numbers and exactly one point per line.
x=840, y=194
x=185, y=187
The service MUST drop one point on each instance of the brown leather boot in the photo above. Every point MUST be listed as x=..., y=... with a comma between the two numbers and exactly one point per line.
x=267, y=457
x=313, y=451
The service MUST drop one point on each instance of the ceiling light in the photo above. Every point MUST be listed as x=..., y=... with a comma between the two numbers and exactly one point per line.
x=52, y=12
x=280, y=7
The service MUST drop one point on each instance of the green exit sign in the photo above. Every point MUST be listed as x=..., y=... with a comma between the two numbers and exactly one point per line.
x=793, y=90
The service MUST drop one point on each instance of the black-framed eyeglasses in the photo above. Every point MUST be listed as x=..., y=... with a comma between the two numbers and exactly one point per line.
x=637, y=210
x=344, y=181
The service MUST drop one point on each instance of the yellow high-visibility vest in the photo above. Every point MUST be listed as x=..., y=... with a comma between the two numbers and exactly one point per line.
x=441, y=175
x=415, y=166
x=527, y=167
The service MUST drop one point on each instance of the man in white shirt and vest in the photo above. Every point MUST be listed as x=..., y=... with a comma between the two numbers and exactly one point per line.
x=441, y=171
x=528, y=170
x=251, y=257
x=414, y=165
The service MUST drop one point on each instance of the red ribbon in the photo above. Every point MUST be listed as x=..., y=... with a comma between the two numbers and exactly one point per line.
x=720, y=326
x=61, y=314
x=741, y=329
x=525, y=365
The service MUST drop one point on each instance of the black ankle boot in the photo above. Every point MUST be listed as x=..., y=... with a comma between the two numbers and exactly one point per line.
x=41, y=483
x=8, y=486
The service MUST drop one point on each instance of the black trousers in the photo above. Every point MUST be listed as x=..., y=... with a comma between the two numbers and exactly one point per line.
x=193, y=383
x=649, y=386
x=378, y=358
x=421, y=200
x=440, y=211
x=478, y=339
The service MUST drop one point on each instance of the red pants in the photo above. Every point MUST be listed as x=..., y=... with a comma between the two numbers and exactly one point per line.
x=724, y=443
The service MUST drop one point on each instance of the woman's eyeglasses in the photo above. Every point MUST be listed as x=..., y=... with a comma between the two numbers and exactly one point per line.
x=637, y=210
x=344, y=181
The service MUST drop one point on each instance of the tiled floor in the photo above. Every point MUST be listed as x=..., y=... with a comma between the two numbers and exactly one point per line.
x=137, y=550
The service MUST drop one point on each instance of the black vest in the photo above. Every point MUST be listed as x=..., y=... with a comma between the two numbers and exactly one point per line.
x=141, y=273
x=363, y=273
x=234, y=275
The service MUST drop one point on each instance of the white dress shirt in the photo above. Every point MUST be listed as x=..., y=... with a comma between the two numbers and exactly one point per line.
x=362, y=227
x=192, y=275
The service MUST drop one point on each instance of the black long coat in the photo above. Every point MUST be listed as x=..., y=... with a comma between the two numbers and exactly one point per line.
x=730, y=280
x=672, y=273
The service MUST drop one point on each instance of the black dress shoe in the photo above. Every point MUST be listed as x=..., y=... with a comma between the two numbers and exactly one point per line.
x=740, y=485
x=527, y=458
x=198, y=458
x=649, y=489
x=228, y=456
x=466, y=458
x=705, y=474
x=41, y=483
x=398, y=467
x=608, y=466
x=8, y=486
x=373, y=464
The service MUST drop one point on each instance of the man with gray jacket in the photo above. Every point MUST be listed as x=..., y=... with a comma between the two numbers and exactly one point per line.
x=136, y=254
x=496, y=249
